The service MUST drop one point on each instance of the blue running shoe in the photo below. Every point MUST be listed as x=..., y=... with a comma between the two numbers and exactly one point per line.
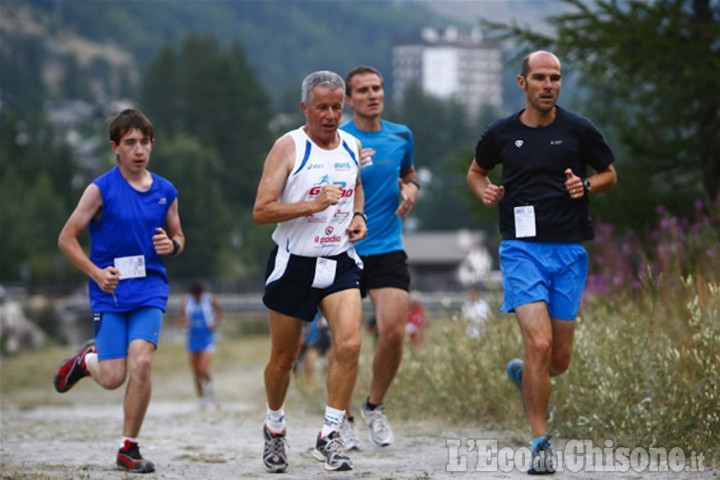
x=542, y=460
x=514, y=371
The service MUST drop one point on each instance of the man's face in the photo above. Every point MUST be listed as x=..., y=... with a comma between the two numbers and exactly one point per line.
x=542, y=83
x=367, y=95
x=133, y=151
x=323, y=113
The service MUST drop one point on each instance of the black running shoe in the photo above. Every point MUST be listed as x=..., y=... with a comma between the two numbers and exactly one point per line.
x=130, y=460
x=73, y=368
x=274, y=455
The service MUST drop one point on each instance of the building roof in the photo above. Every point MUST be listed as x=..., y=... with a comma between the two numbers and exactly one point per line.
x=442, y=247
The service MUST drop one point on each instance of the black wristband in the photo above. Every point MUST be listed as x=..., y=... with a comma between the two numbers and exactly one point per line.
x=361, y=214
x=176, y=247
x=414, y=182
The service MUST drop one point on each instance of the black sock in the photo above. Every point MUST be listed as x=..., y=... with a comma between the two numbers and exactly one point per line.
x=370, y=406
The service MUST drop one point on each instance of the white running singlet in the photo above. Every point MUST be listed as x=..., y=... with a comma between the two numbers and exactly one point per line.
x=322, y=234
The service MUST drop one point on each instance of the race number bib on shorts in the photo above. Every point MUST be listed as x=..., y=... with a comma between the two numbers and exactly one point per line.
x=131, y=267
x=524, y=221
x=324, y=272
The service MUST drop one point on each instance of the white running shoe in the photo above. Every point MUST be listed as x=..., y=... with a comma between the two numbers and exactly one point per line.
x=349, y=434
x=380, y=432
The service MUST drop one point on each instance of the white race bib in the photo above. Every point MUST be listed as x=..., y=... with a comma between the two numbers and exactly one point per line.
x=131, y=267
x=324, y=272
x=524, y=221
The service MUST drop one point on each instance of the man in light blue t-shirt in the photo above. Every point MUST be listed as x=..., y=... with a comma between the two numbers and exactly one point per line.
x=391, y=188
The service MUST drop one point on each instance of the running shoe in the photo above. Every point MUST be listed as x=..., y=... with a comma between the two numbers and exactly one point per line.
x=73, y=368
x=349, y=434
x=331, y=450
x=380, y=432
x=514, y=371
x=274, y=455
x=130, y=460
x=542, y=460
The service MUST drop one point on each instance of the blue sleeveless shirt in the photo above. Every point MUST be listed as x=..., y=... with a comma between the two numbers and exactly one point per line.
x=126, y=226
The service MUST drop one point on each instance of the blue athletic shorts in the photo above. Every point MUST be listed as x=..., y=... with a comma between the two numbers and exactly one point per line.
x=115, y=331
x=199, y=342
x=551, y=272
x=289, y=279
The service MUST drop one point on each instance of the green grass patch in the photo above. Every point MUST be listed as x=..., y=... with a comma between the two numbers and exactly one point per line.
x=645, y=372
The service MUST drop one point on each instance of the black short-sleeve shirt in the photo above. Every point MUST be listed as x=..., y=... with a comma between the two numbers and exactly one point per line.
x=533, y=165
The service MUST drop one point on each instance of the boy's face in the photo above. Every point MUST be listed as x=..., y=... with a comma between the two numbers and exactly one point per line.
x=133, y=151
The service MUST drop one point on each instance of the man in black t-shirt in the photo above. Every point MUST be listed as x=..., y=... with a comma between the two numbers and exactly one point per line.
x=543, y=200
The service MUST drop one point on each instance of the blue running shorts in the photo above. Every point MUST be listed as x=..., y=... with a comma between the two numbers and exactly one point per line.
x=115, y=331
x=199, y=343
x=289, y=279
x=551, y=272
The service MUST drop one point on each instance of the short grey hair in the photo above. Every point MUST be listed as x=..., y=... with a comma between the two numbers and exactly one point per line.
x=331, y=80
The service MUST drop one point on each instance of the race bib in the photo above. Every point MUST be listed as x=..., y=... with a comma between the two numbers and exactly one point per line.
x=324, y=272
x=524, y=221
x=131, y=267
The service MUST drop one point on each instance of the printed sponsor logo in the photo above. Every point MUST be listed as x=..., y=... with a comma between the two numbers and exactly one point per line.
x=344, y=193
x=327, y=239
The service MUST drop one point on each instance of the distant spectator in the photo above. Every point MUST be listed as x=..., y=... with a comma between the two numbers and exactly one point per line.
x=415, y=326
x=200, y=312
x=316, y=340
x=476, y=313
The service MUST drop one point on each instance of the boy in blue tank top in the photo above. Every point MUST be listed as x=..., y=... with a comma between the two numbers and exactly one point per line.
x=132, y=215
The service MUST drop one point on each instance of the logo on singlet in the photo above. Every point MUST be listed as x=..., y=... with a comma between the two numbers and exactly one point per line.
x=518, y=143
x=342, y=165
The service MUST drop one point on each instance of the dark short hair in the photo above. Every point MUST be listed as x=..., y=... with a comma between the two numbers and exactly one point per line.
x=359, y=70
x=197, y=287
x=128, y=120
x=525, y=67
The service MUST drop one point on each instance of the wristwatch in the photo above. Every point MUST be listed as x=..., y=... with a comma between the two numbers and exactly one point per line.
x=361, y=214
x=176, y=247
x=586, y=185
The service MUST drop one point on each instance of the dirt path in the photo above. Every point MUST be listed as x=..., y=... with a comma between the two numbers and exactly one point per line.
x=76, y=437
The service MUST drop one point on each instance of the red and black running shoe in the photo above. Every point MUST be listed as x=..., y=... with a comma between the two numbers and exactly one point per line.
x=130, y=460
x=73, y=368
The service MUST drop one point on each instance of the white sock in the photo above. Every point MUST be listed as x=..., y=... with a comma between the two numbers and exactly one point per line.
x=275, y=420
x=332, y=420
x=129, y=439
x=209, y=389
x=88, y=358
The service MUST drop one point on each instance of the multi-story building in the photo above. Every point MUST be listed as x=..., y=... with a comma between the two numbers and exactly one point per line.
x=448, y=65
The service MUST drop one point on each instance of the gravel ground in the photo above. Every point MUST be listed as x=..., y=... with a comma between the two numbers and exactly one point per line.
x=76, y=435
